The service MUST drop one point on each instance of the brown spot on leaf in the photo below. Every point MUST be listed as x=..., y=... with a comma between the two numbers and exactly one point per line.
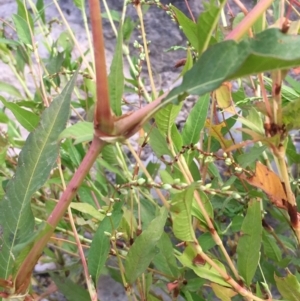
x=198, y=260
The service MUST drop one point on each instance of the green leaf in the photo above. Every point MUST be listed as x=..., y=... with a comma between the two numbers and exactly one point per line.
x=176, y=138
x=10, y=42
x=22, y=250
x=249, y=243
x=80, y=132
x=207, y=23
x=88, y=209
x=79, y=3
x=203, y=271
x=100, y=246
x=291, y=152
x=116, y=76
x=10, y=89
x=36, y=160
x=70, y=289
x=188, y=26
x=271, y=249
x=26, y=118
x=142, y=251
x=250, y=157
x=223, y=293
x=165, y=117
x=41, y=10
x=65, y=42
x=181, y=213
x=206, y=241
x=109, y=154
x=287, y=93
x=289, y=287
x=293, y=83
x=253, y=121
x=195, y=121
x=290, y=115
x=208, y=208
x=269, y=50
x=157, y=141
x=24, y=13
x=213, y=67
x=22, y=29
x=188, y=64
x=165, y=260
x=115, y=15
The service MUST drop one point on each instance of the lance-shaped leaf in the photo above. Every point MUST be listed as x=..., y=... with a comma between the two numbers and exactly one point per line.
x=195, y=121
x=189, y=258
x=165, y=259
x=165, y=118
x=223, y=293
x=143, y=251
x=36, y=160
x=214, y=66
x=71, y=290
x=207, y=23
x=101, y=242
x=291, y=115
x=80, y=132
x=269, y=50
x=181, y=214
x=26, y=118
x=188, y=26
x=249, y=244
x=116, y=76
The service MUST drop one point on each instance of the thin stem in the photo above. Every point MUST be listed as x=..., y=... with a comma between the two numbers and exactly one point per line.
x=121, y=266
x=37, y=58
x=190, y=11
x=265, y=282
x=292, y=205
x=75, y=40
x=238, y=32
x=293, y=8
x=21, y=81
x=242, y=291
x=87, y=31
x=189, y=178
x=78, y=242
x=125, y=47
x=264, y=96
x=141, y=165
x=110, y=19
x=208, y=220
x=64, y=231
x=91, y=290
x=140, y=15
x=276, y=93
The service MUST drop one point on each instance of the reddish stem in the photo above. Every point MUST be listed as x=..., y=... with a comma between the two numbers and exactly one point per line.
x=24, y=275
x=238, y=32
x=103, y=119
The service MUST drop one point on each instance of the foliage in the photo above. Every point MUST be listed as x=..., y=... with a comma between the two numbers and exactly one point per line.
x=207, y=216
